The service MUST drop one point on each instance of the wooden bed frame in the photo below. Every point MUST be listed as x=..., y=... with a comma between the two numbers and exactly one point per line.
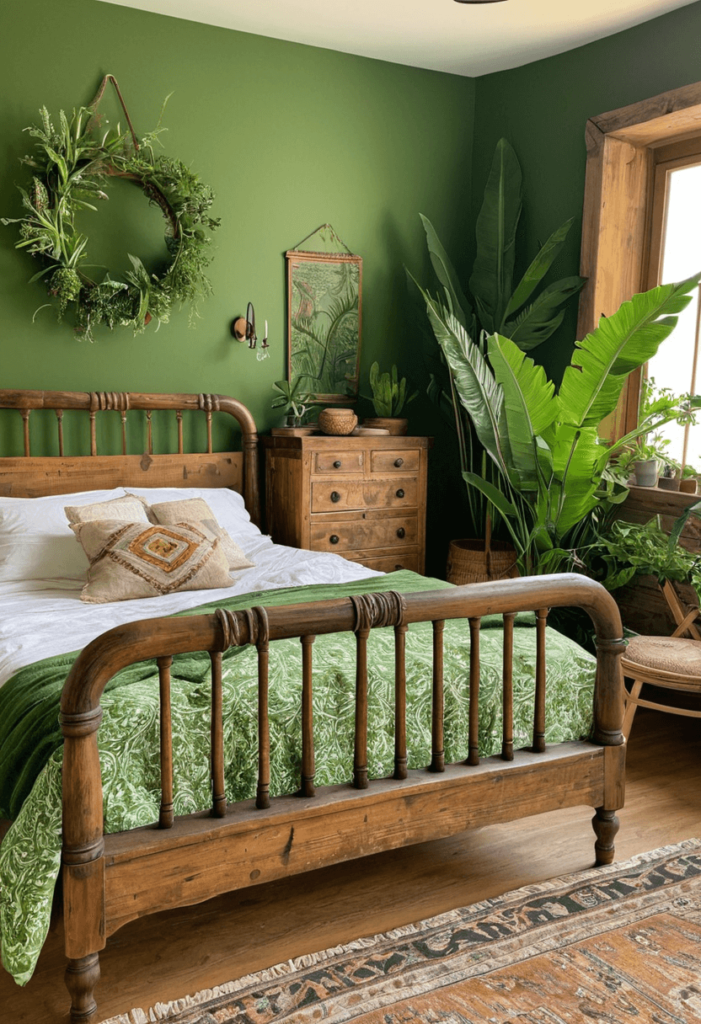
x=110, y=880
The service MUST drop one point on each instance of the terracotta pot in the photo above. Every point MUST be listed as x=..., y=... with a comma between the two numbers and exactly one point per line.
x=689, y=485
x=391, y=424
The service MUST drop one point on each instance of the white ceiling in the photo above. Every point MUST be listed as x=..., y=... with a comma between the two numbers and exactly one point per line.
x=443, y=35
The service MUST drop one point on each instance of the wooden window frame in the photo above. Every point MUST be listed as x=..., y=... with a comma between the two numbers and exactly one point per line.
x=618, y=203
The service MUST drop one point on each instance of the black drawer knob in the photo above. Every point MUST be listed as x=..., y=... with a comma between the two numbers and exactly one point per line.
x=399, y=567
x=337, y=464
x=334, y=538
x=401, y=532
x=335, y=496
x=399, y=462
x=400, y=492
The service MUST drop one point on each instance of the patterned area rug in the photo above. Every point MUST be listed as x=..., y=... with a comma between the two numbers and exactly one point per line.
x=603, y=946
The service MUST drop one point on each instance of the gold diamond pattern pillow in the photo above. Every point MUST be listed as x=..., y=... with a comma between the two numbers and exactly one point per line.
x=136, y=560
x=196, y=510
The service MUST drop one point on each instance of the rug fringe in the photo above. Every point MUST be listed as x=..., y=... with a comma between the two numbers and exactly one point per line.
x=162, y=1011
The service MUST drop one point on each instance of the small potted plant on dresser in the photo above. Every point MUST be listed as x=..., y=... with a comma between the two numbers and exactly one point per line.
x=294, y=401
x=389, y=396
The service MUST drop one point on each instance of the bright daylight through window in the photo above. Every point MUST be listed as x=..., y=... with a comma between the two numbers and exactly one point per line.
x=676, y=364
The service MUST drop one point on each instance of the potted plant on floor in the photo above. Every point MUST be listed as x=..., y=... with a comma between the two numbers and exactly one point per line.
x=389, y=397
x=548, y=463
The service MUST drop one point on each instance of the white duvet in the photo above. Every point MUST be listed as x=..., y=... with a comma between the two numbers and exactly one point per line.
x=43, y=617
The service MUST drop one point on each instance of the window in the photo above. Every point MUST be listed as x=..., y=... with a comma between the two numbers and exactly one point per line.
x=675, y=254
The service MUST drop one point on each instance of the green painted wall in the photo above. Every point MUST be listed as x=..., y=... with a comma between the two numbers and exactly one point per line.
x=289, y=137
x=542, y=109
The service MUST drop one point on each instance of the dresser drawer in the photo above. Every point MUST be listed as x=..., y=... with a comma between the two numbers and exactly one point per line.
x=358, y=494
x=388, y=563
x=342, y=462
x=400, y=460
x=349, y=534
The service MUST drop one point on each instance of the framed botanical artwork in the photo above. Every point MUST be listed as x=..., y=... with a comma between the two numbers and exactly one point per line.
x=324, y=307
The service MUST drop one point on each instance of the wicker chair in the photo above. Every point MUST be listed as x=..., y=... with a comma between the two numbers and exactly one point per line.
x=673, y=662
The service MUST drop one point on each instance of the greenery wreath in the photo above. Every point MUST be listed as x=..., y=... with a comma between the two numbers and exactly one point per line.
x=71, y=167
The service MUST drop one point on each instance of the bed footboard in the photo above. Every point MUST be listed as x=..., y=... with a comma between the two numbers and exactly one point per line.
x=111, y=880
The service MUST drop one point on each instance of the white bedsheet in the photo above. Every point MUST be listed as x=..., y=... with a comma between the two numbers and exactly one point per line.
x=42, y=618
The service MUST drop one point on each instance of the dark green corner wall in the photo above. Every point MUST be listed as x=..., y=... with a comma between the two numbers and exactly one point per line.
x=542, y=108
x=288, y=136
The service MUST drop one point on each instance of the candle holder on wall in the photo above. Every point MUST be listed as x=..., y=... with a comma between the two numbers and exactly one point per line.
x=243, y=329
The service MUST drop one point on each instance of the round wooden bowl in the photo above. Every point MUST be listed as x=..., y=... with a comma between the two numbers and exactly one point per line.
x=337, y=421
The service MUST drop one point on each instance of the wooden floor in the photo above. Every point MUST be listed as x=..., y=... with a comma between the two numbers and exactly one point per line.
x=169, y=955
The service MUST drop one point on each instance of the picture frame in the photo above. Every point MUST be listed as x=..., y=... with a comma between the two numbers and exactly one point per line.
x=324, y=323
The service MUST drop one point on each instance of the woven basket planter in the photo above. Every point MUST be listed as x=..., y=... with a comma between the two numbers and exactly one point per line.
x=471, y=561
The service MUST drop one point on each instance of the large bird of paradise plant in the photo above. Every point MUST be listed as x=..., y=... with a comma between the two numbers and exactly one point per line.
x=549, y=464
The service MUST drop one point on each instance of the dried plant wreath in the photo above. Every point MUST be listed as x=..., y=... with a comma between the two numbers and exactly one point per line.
x=71, y=167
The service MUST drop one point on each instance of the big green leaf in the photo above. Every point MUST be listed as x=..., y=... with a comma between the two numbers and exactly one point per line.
x=479, y=392
x=542, y=317
x=528, y=406
x=492, y=273
x=537, y=270
x=592, y=384
x=446, y=274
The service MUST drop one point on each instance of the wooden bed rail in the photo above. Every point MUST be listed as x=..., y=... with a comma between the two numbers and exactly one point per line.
x=250, y=839
x=94, y=402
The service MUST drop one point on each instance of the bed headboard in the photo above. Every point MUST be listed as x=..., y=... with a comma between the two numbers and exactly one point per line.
x=31, y=476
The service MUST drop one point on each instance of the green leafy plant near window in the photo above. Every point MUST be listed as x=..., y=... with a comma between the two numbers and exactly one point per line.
x=658, y=406
x=628, y=550
x=71, y=166
x=526, y=312
x=548, y=463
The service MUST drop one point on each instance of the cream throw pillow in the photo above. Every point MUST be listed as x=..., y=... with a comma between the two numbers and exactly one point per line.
x=196, y=510
x=129, y=509
x=136, y=560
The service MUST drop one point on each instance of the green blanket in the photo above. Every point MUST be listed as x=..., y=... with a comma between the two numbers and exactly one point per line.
x=30, y=767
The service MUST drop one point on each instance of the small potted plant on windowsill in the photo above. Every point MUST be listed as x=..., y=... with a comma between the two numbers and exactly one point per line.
x=294, y=401
x=689, y=481
x=389, y=396
x=670, y=476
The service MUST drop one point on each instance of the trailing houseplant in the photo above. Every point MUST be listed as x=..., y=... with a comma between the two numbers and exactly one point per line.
x=548, y=462
x=71, y=165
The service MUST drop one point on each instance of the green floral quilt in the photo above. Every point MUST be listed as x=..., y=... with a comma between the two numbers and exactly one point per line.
x=129, y=745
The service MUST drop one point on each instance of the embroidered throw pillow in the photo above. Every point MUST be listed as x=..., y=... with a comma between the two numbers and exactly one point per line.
x=196, y=510
x=136, y=560
x=129, y=509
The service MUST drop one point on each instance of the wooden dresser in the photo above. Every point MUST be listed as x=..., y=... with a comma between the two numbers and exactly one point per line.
x=360, y=497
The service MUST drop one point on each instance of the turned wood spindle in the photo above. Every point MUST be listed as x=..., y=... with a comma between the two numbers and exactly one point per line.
x=217, y=750
x=539, y=714
x=93, y=438
x=179, y=418
x=400, y=755
x=437, y=740
x=507, y=743
x=165, y=819
x=25, y=425
x=360, y=757
x=59, y=418
x=263, y=791
x=473, y=757
x=308, y=767
x=82, y=976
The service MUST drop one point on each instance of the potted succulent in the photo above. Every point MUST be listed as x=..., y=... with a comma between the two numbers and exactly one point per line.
x=389, y=396
x=294, y=401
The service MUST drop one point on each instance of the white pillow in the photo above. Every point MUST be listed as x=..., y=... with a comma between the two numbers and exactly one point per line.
x=228, y=506
x=35, y=539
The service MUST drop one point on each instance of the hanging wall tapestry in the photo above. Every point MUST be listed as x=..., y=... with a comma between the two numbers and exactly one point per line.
x=324, y=303
x=71, y=166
